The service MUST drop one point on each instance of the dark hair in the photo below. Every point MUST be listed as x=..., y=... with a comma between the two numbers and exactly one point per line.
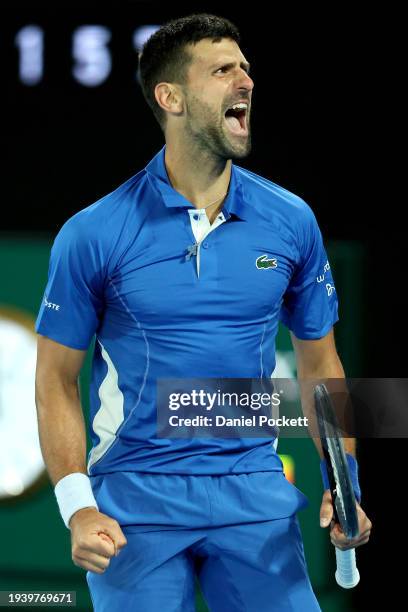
x=165, y=58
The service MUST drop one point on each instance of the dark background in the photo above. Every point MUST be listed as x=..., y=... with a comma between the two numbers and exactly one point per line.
x=325, y=109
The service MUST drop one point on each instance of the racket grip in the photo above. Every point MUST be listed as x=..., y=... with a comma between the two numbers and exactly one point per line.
x=347, y=574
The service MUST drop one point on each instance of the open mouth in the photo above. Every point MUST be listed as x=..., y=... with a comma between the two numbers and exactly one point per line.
x=236, y=119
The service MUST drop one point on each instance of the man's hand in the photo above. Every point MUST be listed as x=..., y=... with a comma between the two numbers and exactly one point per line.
x=95, y=538
x=336, y=535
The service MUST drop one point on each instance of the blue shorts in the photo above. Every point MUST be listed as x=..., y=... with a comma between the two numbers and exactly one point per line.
x=224, y=530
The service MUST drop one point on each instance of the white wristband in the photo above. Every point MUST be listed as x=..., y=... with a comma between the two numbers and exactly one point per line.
x=74, y=492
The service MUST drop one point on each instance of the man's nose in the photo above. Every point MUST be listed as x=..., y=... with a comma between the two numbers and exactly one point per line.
x=244, y=81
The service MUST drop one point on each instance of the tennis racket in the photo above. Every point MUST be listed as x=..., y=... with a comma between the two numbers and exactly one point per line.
x=343, y=498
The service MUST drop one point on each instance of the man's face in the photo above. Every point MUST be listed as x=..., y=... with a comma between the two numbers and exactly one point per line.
x=217, y=80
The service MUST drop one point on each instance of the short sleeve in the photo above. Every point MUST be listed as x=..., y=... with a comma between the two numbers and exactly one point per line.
x=73, y=299
x=310, y=306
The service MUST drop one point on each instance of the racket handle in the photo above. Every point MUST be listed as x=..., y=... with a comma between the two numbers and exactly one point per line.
x=347, y=574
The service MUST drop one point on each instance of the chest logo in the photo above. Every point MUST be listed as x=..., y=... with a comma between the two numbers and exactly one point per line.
x=262, y=263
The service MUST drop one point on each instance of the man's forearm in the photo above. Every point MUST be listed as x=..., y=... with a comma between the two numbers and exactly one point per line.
x=308, y=377
x=61, y=428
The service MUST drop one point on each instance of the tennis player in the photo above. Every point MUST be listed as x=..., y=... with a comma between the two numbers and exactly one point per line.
x=184, y=271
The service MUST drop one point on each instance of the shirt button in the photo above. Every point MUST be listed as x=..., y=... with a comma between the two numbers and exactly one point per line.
x=205, y=245
x=196, y=217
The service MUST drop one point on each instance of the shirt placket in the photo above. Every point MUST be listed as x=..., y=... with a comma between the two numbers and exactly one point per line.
x=201, y=228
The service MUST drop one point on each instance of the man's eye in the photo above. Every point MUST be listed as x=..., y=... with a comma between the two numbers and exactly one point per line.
x=223, y=69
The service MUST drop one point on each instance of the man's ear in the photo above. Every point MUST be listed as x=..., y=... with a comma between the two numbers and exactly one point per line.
x=169, y=98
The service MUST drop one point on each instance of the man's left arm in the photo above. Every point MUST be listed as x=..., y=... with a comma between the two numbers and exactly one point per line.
x=316, y=360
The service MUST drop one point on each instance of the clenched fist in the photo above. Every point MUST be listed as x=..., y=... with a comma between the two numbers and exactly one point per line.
x=95, y=538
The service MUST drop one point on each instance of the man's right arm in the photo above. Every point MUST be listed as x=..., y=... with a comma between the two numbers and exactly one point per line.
x=60, y=417
x=95, y=536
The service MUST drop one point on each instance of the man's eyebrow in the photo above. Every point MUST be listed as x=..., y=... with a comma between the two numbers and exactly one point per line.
x=245, y=65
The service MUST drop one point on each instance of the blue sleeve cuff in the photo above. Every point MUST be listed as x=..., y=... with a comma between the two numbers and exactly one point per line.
x=353, y=467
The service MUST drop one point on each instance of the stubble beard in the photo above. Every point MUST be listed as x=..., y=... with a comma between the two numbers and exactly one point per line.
x=205, y=128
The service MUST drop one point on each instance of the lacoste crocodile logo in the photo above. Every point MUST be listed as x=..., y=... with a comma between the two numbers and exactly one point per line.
x=263, y=262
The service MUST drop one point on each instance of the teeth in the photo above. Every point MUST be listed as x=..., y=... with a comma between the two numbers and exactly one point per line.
x=240, y=106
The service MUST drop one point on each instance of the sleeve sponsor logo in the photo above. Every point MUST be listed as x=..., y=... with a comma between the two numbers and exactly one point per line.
x=326, y=268
x=50, y=304
x=320, y=279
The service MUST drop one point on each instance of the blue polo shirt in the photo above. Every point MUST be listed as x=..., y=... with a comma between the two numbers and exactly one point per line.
x=125, y=270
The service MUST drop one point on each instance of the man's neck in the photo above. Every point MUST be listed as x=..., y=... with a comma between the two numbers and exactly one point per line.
x=198, y=176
